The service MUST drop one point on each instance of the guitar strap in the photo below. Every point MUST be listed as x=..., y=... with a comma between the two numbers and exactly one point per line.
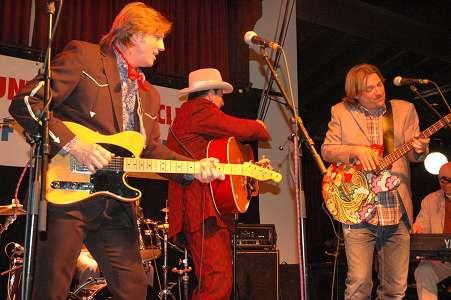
x=187, y=151
x=387, y=125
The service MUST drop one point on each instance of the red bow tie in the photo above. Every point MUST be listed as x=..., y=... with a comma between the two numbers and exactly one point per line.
x=133, y=72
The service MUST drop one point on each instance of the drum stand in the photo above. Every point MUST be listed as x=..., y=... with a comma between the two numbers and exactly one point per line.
x=15, y=254
x=166, y=291
x=15, y=272
x=78, y=294
x=183, y=276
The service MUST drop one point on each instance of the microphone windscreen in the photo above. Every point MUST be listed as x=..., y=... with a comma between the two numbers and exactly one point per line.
x=248, y=37
x=397, y=80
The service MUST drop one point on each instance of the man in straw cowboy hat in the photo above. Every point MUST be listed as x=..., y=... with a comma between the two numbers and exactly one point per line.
x=200, y=120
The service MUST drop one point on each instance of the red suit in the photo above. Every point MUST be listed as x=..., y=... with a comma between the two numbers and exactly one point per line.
x=191, y=207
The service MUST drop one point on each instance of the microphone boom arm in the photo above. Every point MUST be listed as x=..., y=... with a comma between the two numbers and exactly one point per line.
x=414, y=89
x=300, y=124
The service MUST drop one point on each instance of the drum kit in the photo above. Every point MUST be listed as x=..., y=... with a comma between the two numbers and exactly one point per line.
x=13, y=250
x=153, y=243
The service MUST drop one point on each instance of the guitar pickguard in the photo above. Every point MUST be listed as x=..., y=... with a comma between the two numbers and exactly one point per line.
x=347, y=194
x=350, y=193
x=70, y=181
x=112, y=182
x=383, y=182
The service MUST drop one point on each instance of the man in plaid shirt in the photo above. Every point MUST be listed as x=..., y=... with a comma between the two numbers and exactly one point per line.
x=356, y=123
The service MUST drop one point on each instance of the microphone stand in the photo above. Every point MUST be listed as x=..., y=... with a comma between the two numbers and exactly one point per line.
x=183, y=276
x=414, y=89
x=320, y=164
x=37, y=182
x=300, y=124
x=234, y=248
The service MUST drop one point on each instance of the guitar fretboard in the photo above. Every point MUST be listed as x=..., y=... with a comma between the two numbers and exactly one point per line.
x=402, y=150
x=168, y=166
x=147, y=165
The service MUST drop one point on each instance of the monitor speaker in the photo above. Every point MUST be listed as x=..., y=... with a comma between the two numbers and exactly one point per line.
x=257, y=274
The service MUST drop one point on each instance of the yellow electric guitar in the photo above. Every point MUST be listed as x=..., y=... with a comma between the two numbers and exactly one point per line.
x=68, y=181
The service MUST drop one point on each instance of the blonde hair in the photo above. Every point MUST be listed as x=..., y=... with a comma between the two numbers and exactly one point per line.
x=135, y=17
x=355, y=80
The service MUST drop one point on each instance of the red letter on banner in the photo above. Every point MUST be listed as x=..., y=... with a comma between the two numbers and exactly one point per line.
x=2, y=86
x=13, y=87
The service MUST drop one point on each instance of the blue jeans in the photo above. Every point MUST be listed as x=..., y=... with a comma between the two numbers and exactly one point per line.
x=392, y=245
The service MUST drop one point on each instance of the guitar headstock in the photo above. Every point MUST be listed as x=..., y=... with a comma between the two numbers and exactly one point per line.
x=260, y=173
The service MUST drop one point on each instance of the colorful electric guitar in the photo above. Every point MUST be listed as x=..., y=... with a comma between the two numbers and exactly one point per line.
x=350, y=192
x=69, y=181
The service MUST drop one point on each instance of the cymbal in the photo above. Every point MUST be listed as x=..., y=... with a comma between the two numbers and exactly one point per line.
x=163, y=226
x=12, y=209
x=165, y=210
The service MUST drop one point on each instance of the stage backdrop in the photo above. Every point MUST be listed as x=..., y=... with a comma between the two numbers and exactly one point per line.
x=15, y=72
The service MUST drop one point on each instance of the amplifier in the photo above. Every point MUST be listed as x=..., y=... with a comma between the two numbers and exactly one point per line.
x=256, y=236
x=257, y=274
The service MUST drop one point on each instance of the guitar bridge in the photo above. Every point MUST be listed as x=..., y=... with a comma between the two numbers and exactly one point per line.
x=72, y=186
x=77, y=167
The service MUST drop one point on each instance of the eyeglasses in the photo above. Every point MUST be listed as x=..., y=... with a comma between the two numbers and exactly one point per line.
x=444, y=180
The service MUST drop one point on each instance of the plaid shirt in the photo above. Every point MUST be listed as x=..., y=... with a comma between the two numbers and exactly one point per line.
x=388, y=209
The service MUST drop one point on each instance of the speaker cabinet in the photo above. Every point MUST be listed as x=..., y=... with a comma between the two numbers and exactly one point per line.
x=289, y=282
x=257, y=274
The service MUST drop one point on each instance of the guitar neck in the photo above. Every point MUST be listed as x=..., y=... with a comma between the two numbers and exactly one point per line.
x=145, y=165
x=401, y=151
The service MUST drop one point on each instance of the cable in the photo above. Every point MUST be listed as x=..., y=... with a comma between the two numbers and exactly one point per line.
x=336, y=253
x=290, y=87
x=334, y=270
x=157, y=274
x=441, y=94
x=203, y=237
x=16, y=192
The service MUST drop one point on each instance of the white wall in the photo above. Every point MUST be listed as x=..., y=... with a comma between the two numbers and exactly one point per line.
x=277, y=204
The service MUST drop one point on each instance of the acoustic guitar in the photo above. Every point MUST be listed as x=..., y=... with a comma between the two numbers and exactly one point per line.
x=233, y=194
x=69, y=181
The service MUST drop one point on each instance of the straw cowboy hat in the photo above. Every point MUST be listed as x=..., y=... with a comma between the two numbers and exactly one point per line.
x=204, y=80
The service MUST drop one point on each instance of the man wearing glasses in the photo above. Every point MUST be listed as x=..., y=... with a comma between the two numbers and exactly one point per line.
x=434, y=217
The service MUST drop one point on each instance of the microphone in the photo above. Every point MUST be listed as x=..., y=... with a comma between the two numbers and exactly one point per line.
x=252, y=37
x=399, y=81
x=18, y=249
